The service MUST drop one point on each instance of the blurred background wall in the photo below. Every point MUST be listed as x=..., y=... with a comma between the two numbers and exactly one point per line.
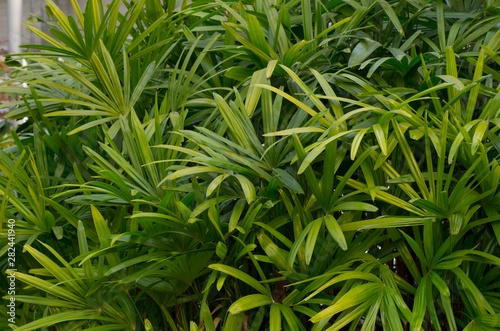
x=15, y=13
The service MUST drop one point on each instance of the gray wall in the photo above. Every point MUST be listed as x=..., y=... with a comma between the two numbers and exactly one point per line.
x=35, y=7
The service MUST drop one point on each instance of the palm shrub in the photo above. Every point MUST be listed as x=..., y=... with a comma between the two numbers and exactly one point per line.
x=296, y=165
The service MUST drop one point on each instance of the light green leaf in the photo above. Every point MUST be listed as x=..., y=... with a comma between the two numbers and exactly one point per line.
x=249, y=302
x=335, y=231
x=248, y=188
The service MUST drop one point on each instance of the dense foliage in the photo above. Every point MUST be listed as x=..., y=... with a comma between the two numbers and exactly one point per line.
x=257, y=165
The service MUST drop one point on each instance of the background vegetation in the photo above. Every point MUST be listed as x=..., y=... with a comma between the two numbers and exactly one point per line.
x=257, y=165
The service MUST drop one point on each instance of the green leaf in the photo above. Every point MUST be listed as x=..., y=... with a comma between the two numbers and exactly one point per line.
x=311, y=239
x=249, y=302
x=362, y=50
x=191, y=171
x=67, y=316
x=477, y=138
x=420, y=304
x=272, y=250
x=314, y=153
x=248, y=188
x=392, y=16
x=439, y=283
x=357, y=295
x=275, y=318
x=383, y=223
x=371, y=316
x=357, y=142
x=256, y=35
x=361, y=206
x=287, y=179
x=238, y=274
x=482, y=304
x=236, y=214
x=335, y=231
x=379, y=134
